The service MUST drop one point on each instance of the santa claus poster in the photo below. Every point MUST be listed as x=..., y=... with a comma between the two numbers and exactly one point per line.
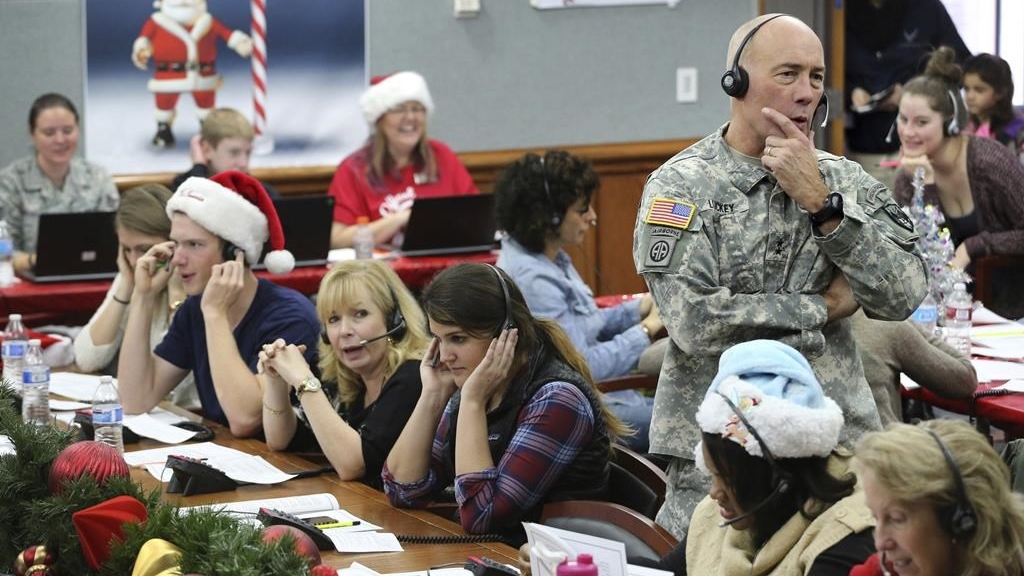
x=295, y=68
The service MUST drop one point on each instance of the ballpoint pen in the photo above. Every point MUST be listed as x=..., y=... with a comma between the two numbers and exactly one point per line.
x=338, y=524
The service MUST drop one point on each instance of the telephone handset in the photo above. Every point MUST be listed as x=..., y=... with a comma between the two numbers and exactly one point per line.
x=271, y=517
x=436, y=358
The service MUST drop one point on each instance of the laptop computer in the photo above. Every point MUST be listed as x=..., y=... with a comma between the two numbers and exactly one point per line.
x=306, y=222
x=450, y=225
x=75, y=246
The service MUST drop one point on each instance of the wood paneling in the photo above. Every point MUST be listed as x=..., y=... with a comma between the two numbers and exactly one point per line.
x=604, y=260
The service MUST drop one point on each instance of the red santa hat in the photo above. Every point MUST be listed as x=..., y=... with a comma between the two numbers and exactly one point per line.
x=386, y=92
x=235, y=206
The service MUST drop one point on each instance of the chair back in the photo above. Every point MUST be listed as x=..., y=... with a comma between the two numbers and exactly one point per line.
x=642, y=537
x=636, y=482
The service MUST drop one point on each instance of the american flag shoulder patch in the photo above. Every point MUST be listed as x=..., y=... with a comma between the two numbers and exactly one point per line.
x=673, y=213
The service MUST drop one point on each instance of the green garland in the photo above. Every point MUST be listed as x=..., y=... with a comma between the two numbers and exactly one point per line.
x=212, y=543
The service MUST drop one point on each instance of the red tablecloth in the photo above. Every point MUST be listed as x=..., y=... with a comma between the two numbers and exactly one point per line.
x=59, y=302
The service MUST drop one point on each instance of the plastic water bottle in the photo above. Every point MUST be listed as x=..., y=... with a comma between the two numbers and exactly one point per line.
x=927, y=313
x=6, y=256
x=13, y=351
x=107, y=414
x=362, y=240
x=35, y=391
x=583, y=566
x=959, y=307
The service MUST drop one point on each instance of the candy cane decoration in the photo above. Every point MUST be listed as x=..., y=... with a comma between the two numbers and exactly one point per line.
x=264, y=144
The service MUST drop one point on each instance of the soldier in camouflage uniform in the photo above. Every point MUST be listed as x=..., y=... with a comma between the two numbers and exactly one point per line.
x=752, y=233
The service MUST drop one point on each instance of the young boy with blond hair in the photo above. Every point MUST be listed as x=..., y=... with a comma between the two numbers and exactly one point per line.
x=224, y=143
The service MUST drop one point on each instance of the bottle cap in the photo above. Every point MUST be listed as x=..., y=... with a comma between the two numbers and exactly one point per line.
x=35, y=342
x=583, y=566
x=15, y=317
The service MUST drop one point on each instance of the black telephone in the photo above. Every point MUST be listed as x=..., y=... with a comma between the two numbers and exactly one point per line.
x=229, y=251
x=191, y=476
x=272, y=517
x=484, y=566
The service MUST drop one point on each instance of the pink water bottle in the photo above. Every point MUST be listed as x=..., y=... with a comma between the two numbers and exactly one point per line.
x=583, y=566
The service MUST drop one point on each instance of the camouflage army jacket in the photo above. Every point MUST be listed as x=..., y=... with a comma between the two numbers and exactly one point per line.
x=729, y=257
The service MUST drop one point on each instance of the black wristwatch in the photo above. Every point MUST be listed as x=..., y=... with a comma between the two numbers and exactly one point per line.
x=833, y=207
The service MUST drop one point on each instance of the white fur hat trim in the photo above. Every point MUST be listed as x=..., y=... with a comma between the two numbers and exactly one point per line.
x=789, y=429
x=392, y=91
x=224, y=213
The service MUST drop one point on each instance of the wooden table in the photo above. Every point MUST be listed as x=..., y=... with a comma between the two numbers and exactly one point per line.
x=354, y=497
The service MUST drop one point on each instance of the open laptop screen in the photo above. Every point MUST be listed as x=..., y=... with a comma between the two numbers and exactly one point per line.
x=75, y=246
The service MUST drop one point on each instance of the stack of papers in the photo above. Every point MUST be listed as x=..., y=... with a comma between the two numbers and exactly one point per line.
x=237, y=465
x=360, y=537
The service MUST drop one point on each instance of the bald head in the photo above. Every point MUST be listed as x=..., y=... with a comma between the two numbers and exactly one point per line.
x=780, y=25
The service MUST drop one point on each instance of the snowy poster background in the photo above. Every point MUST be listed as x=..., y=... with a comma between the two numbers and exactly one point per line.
x=316, y=72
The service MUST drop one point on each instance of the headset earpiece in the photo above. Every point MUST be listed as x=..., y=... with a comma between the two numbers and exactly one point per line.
x=396, y=326
x=959, y=519
x=556, y=218
x=229, y=251
x=735, y=81
x=953, y=127
x=396, y=323
x=508, y=324
x=821, y=112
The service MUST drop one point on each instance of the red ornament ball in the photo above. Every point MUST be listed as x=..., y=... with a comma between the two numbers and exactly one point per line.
x=34, y=560
x=304, y=545
x=87, y=457
x=323, y=570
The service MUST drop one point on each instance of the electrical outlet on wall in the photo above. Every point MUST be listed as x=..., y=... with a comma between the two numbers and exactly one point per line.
x=686, y=85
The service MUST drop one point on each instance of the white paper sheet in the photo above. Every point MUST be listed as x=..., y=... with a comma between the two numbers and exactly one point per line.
x=998, y=353
x=1013, y=386
x=65, y=405
x=548, y=544
x=366, y=542
x=5, y=445
x=983, y=315
x=989, y=370
x=907, y=382
x=148, y=426
x=291, y=504
x=75, y=386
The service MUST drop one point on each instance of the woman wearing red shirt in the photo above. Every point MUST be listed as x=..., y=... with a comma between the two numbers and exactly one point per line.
x=397, y=165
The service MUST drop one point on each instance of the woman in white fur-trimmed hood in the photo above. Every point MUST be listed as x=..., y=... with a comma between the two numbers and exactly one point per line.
x=782, y=500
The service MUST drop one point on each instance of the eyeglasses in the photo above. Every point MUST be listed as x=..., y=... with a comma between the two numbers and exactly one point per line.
x=414, y=109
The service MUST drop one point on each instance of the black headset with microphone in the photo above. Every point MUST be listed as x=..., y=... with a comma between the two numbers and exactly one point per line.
x=736, y=81
x=782, y=480
x=396, y=326
x=959, y=519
